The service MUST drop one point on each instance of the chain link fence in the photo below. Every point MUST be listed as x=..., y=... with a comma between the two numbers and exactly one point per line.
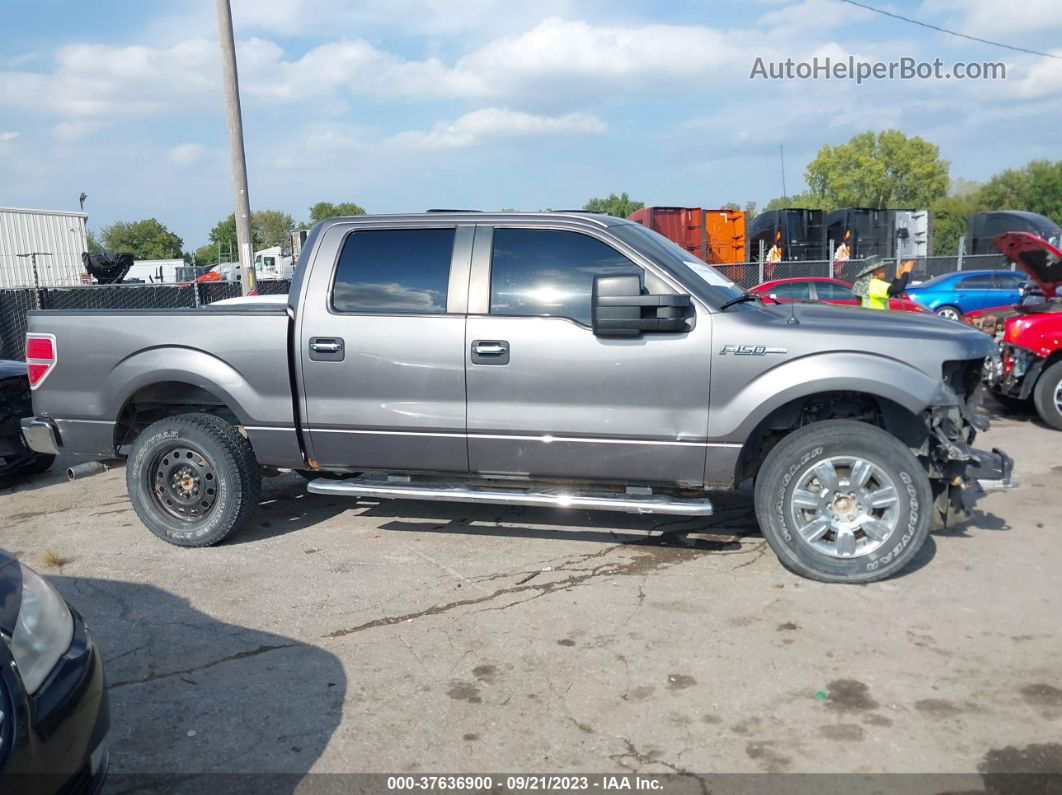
x=749, y=274
x=16, y=302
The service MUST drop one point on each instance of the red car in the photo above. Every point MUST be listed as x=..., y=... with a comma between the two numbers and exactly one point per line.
x=1031, y=368
x=820, y=288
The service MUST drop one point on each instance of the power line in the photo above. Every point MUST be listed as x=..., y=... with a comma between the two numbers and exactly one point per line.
x=950, y=32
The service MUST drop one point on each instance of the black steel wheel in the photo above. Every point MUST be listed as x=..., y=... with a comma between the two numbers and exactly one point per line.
x=193, y=479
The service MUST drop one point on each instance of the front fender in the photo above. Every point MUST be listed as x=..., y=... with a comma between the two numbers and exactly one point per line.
x=850, y=371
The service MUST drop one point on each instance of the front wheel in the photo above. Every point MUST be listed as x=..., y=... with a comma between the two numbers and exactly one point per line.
x=950, y=313
x=843, y=501
x=193, y=479
x=1047, y=394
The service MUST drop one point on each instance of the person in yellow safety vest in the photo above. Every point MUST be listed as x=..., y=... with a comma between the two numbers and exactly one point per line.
x=873, y=290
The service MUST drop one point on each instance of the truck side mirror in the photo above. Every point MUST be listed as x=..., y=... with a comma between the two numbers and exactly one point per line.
x=620, y=308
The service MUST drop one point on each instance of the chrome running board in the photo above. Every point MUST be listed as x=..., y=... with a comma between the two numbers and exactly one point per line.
x=402, y=488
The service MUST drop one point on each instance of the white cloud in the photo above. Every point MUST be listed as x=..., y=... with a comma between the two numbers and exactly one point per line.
x=992, y=19
x=75, y=130
x=9, y=135
x=186, y=154
x=493, y=123
x=556, y=62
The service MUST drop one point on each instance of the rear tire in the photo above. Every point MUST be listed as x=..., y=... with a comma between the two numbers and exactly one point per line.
x=193, y=479
x=1047, y=395
x=867, y=526
x=949, y=312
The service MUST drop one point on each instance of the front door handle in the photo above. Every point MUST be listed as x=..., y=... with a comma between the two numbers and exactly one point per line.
x=490, y=352
x=326, y=349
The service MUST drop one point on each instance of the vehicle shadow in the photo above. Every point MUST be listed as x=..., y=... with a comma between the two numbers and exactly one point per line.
x=723, y=530
x=286, y=507
x=201, y=705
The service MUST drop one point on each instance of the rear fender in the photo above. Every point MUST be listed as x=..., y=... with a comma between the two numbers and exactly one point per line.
x=185, y=365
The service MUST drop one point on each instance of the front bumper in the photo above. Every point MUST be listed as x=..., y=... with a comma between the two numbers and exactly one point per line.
x=40, y=436
x=60, y=732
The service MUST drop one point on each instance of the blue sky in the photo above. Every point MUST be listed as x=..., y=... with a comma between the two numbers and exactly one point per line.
x=408, y=104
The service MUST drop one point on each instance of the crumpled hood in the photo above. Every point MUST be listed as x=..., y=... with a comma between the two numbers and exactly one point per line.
x=1035, y=256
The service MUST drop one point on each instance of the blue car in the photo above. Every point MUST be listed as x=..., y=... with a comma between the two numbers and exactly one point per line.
x=952, y=295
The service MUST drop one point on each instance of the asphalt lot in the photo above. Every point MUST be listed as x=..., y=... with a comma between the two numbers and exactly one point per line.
x=337, y=636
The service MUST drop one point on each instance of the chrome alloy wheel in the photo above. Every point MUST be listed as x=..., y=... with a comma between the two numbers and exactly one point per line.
x=845, y=506
x=1058, y=397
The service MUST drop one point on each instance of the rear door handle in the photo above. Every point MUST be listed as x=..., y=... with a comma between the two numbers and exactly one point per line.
x=326, y=349
x=490, y=352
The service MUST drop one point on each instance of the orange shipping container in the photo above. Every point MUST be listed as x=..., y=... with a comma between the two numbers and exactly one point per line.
x=725, y=230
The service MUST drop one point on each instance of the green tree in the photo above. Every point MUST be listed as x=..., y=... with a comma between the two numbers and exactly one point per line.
x=801, y=201
x=949, y=214
x=323, y=210
x=1036, y=187
x=885, y=169
x=620, y=206
x=93, y=243
x=146, y=239
x=272, y=227
x=268, y=228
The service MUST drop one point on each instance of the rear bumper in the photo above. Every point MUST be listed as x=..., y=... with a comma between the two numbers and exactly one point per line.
x=40, y=436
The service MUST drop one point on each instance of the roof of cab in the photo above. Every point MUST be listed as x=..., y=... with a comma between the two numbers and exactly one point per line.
x=476, y=217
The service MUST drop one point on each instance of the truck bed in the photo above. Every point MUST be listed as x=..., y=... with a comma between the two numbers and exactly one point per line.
x=237, y=354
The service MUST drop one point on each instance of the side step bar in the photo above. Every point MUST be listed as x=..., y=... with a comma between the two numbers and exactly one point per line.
x=458, y=491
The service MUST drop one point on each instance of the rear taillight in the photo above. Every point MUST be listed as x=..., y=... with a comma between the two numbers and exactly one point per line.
x=41, y=356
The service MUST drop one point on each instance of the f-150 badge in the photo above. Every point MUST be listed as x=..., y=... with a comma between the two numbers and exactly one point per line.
x=750, y=350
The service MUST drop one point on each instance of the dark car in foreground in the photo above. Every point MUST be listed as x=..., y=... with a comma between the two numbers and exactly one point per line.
x=15, y=457
x=54, y=712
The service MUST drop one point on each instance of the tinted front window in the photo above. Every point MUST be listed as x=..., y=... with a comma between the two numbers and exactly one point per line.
x=394, y=271
x=982, y=282
x=549, y=272
x=828, y=291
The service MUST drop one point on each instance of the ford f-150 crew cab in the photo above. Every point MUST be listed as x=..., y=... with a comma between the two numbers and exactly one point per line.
x=555, y=359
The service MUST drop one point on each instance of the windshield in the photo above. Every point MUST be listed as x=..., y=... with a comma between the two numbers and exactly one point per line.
x=688, y=268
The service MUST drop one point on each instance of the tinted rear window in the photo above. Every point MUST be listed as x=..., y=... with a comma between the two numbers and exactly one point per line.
x=394, y=271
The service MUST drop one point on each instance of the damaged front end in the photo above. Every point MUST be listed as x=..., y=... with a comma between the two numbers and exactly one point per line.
x=959, y=471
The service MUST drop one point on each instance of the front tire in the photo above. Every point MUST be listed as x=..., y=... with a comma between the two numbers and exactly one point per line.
x=1047, y=395
x=949, y=312
x=843, y=501
x=193, y=479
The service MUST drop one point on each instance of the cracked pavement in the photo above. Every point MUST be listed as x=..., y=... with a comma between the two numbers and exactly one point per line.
x=335, y=636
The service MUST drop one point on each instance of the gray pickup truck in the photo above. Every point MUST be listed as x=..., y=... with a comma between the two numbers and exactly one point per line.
x=545, y=359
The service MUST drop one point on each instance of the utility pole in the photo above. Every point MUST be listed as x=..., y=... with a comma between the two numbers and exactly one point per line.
x=36, y=277
x=236, y=151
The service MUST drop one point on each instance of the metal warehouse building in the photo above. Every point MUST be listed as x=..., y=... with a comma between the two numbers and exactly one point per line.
x=58, y=238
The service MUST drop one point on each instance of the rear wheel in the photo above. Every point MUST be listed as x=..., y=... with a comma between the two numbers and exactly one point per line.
x=193, y=479
x=1047, y=395
x=843, y=501
x=949, y=312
